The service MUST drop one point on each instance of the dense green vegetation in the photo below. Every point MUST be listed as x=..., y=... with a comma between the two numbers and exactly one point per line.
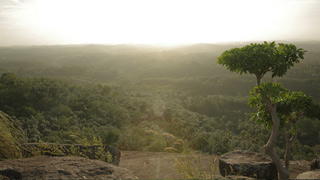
x=119, y=92
x=11, y=136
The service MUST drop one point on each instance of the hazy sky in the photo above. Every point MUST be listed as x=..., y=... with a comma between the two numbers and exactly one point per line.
x=35, y=22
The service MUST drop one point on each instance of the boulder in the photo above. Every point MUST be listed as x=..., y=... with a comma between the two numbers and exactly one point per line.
x=10, y=174
x=45, y=167
x=315, y=164
x=309, y=175
x=247, y=163
x=88, y=151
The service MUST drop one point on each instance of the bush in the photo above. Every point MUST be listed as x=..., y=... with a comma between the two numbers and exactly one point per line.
x=133, y=138
x=157, y=145
x=11, y=137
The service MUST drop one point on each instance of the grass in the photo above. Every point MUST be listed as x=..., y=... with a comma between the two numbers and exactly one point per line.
x=188, y=163
x=193, y=165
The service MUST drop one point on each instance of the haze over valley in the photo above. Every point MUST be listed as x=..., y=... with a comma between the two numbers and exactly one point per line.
x=152, y=76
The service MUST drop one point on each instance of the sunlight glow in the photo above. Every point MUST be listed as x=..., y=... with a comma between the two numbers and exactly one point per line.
x=160, y=21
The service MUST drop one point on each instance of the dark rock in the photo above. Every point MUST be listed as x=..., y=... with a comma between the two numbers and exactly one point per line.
x=309, y=175
x=10, y=173
x=247, y=163
x=45, y=167
x=90, y=151
x=315, y=164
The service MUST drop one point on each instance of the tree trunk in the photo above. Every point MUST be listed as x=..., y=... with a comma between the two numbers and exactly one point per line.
x=283, y=172
x=258, y=79
x=289, y=144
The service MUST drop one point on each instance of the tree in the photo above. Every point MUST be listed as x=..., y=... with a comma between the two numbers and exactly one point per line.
x=8, y=79
x=278, y=108
x=258, y=59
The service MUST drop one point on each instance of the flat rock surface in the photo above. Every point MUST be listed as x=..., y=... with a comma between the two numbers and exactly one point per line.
x=315, y=174
x=42, y=167
x=245, y=157
x=247, y=163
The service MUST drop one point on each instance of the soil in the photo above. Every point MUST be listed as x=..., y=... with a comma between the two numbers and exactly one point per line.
x=149, y=165
x=161, y=165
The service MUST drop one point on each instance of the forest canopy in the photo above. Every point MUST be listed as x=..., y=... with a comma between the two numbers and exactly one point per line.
x=120, y=92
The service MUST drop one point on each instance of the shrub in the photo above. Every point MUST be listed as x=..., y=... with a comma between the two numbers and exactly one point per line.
x=11, y=136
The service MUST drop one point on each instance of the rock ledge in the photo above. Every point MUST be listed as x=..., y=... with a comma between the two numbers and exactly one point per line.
x=43, y=167
x=247, y=163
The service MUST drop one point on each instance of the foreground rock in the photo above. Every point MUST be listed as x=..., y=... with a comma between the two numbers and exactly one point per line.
x=43, y=167
x=247, y=163
x=309, y=175
x=315, y=164
x=88, y=151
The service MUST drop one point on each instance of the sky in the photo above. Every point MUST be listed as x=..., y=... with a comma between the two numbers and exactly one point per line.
x=47, y=22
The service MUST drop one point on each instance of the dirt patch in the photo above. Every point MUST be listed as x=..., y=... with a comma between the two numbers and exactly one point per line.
x=298, y=167
x=149, y=165
x=157, y=165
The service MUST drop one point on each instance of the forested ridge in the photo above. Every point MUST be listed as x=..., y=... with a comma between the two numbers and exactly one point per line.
x=136, y=97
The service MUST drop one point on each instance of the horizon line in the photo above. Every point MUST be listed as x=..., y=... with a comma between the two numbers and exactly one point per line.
x=155, y=44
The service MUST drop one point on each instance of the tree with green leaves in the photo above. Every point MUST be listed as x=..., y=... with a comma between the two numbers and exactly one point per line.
x=278, y=108
x=259, y=59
